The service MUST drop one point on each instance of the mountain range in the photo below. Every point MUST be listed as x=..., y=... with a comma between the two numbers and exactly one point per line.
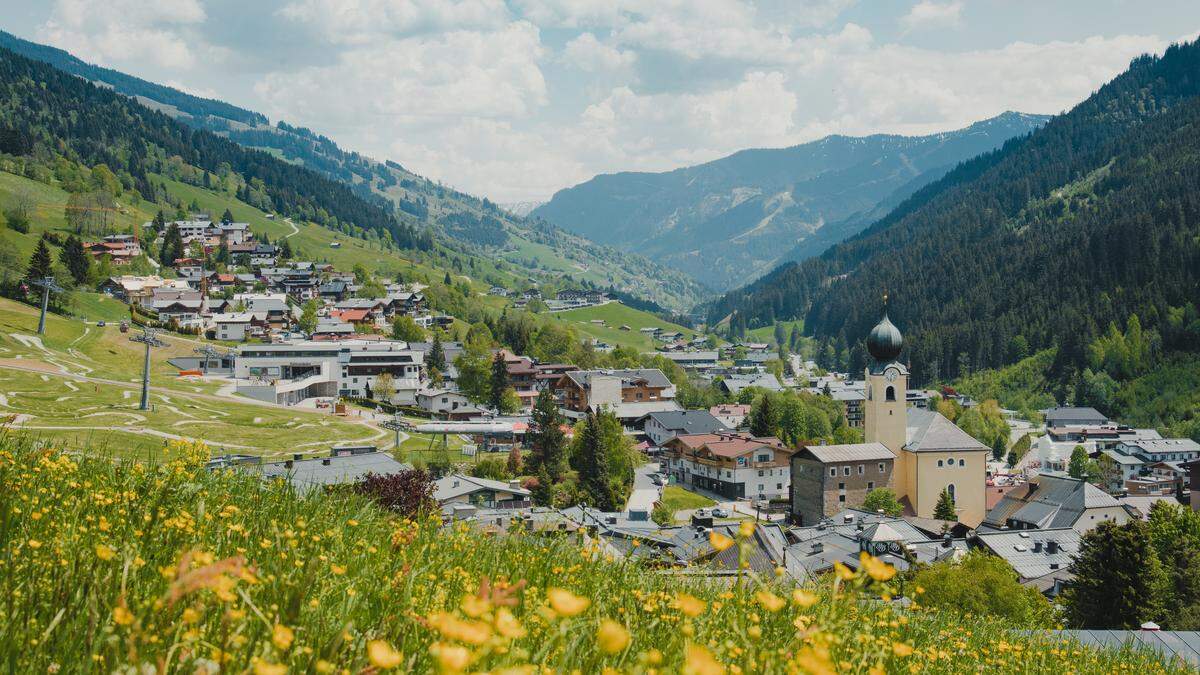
x=474, y=226
x=1086, y=222
x=730, y=220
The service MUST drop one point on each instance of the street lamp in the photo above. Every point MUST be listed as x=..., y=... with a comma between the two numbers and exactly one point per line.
x=47, y=285
x=149, y=338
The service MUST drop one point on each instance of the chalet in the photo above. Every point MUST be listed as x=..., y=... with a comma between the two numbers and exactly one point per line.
x=233, y=234
x=1061, y=417
x=581, y=390
x=238, y=326
x=273, y=306
x=734, y=384
x=1055, y=501
x=661, y=427
x=480, y=492
x=409, y=303
x=1041, y=558
x=189, y=268
x=333, y=328
x=335, y=291
x=441, y=401
x=734, y=466
x=364, y=316
x=692, y=360
x=731, y=415
x=119, y=252
x=263, y=255
x=135, y=289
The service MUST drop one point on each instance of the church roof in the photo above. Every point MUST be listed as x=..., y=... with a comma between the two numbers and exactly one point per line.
x=930, y=431
x=853, y=452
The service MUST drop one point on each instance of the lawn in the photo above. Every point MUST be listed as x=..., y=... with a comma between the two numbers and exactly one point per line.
x=614, y=315
x=676, y=498
x=767, y=333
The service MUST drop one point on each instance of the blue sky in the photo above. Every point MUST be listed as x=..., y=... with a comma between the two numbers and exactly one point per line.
x=515, y=99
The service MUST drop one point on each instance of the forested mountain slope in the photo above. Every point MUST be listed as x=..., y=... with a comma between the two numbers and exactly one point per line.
x=727, y=221
x=1089, y=220
x=471, y=225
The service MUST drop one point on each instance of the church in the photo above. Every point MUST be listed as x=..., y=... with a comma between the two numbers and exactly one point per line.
x=917, y=453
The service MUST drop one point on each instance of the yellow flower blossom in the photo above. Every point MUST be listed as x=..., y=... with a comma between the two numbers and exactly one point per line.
x=337, y=569
x=507, y=624
x=876, y=568
x=382, y=656
x=565, y=602
x=122, y=616
x=450, y=658
x=454, y=628
x=105, y=553
x=769, y=601
x=719, y=541
x=804, y=598
x=844, y=573
x=612, y=637
x=901, y=649
x=282, y=636
x=265, y=668
x=746, y=529
x=690, y=605
x=700, y=661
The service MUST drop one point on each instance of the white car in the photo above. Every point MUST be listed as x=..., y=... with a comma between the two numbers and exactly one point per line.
x=719, y=512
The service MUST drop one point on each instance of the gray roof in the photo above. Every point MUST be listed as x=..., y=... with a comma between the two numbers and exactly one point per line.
x=1049, y=502
x=854, y=452
x=1090, y=414
x=1016, y=548
x=847, y=395
x=1184, y=645
x=930, y=431
x=820, y=546
x=736, y=383
x=653, y=376
x=1161, y=445
x=308, y=474
x=457, y=485
x=1122, y=458
x=687, y=421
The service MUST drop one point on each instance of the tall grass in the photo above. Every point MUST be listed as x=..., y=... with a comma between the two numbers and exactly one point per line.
x=110, y=566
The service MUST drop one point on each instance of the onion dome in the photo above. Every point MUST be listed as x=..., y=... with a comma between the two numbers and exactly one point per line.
x=885, y=341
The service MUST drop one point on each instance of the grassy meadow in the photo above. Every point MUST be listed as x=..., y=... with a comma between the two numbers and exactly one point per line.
x=614, y=315
x=140, y=567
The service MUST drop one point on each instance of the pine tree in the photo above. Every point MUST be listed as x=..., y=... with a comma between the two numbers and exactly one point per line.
x=594, y=471
x=76, y=259
x=547, y=442
x=227, y=217
x=499, y=381
x=40, y=264
x=514, y=461
x=172, y=246
x=1119, y=580
x=763, y=419
x=437, y=356
x=944, y=510
x=285, y=250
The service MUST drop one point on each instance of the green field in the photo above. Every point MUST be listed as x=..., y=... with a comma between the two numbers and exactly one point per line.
x=767, y=333
x=675, y=498
x=80, y=384
x=614, y=315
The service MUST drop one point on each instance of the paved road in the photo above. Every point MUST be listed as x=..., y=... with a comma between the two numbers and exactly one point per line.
x=645, y=492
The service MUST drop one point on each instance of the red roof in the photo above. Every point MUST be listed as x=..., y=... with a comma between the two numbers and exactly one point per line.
x=351, y=315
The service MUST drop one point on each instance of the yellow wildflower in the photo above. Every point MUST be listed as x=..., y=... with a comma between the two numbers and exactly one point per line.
x=282, y=636
x=382, y=655
x=105, y=553
x=507, y=624
x=122, y=616
x=34, y=544
x=565, y=602
x=337, y=569
x=746, y=529
x=804, y=598
x=816, y=661
x=876, y=568
x=690, y=605
x=450, y=658
x=450, y=626
x=475, y=606
x=769, y=601
x=844, y=573
x=612, y=637
x=719, y=541
x=190, y=615
x=264, y=668
x=901, y=649
x=700, y=661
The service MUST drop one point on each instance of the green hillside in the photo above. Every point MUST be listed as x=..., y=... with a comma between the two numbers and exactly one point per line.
x=113, y=566
x=614, y=315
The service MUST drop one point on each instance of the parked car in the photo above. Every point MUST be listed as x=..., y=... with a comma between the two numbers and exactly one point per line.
x=719, y=512
x=101, y=323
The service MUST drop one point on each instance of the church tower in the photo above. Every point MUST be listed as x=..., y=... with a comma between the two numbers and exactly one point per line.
x=884, y=410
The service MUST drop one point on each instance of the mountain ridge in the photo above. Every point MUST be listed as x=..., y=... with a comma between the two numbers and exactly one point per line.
x=721, y=221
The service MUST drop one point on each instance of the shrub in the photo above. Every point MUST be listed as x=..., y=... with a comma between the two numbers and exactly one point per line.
x=408, y=493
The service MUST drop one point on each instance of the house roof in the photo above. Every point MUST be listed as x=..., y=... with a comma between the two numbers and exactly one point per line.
x=351, y=315
x=854, y=452
x=653, y=377
x=457, y=485
x=308, y=474
x=1156, y=446
x=1075, y=414
x=729, y=445
x=687, y=421
x=1049, y=502
x=930, y=431
x=638, y=410
x=1016, y=547
x=736, y=383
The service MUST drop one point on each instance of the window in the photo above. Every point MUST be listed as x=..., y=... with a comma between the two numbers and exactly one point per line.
x=950, y=489
x=881, y=467
x=832, y=471
x=761, y=473
x=950, y=460
x=861, y=469
x=941, y=463
x=870, y=485
x=890, y=394
x=962, y=462
x=842, y=499
x=845, y=471
x=779, y=486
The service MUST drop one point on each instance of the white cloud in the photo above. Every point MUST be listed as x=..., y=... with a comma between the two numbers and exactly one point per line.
x=590, y=55
x=575, y=13
x=127, y=31
x=930, y=14
x=361, y=21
